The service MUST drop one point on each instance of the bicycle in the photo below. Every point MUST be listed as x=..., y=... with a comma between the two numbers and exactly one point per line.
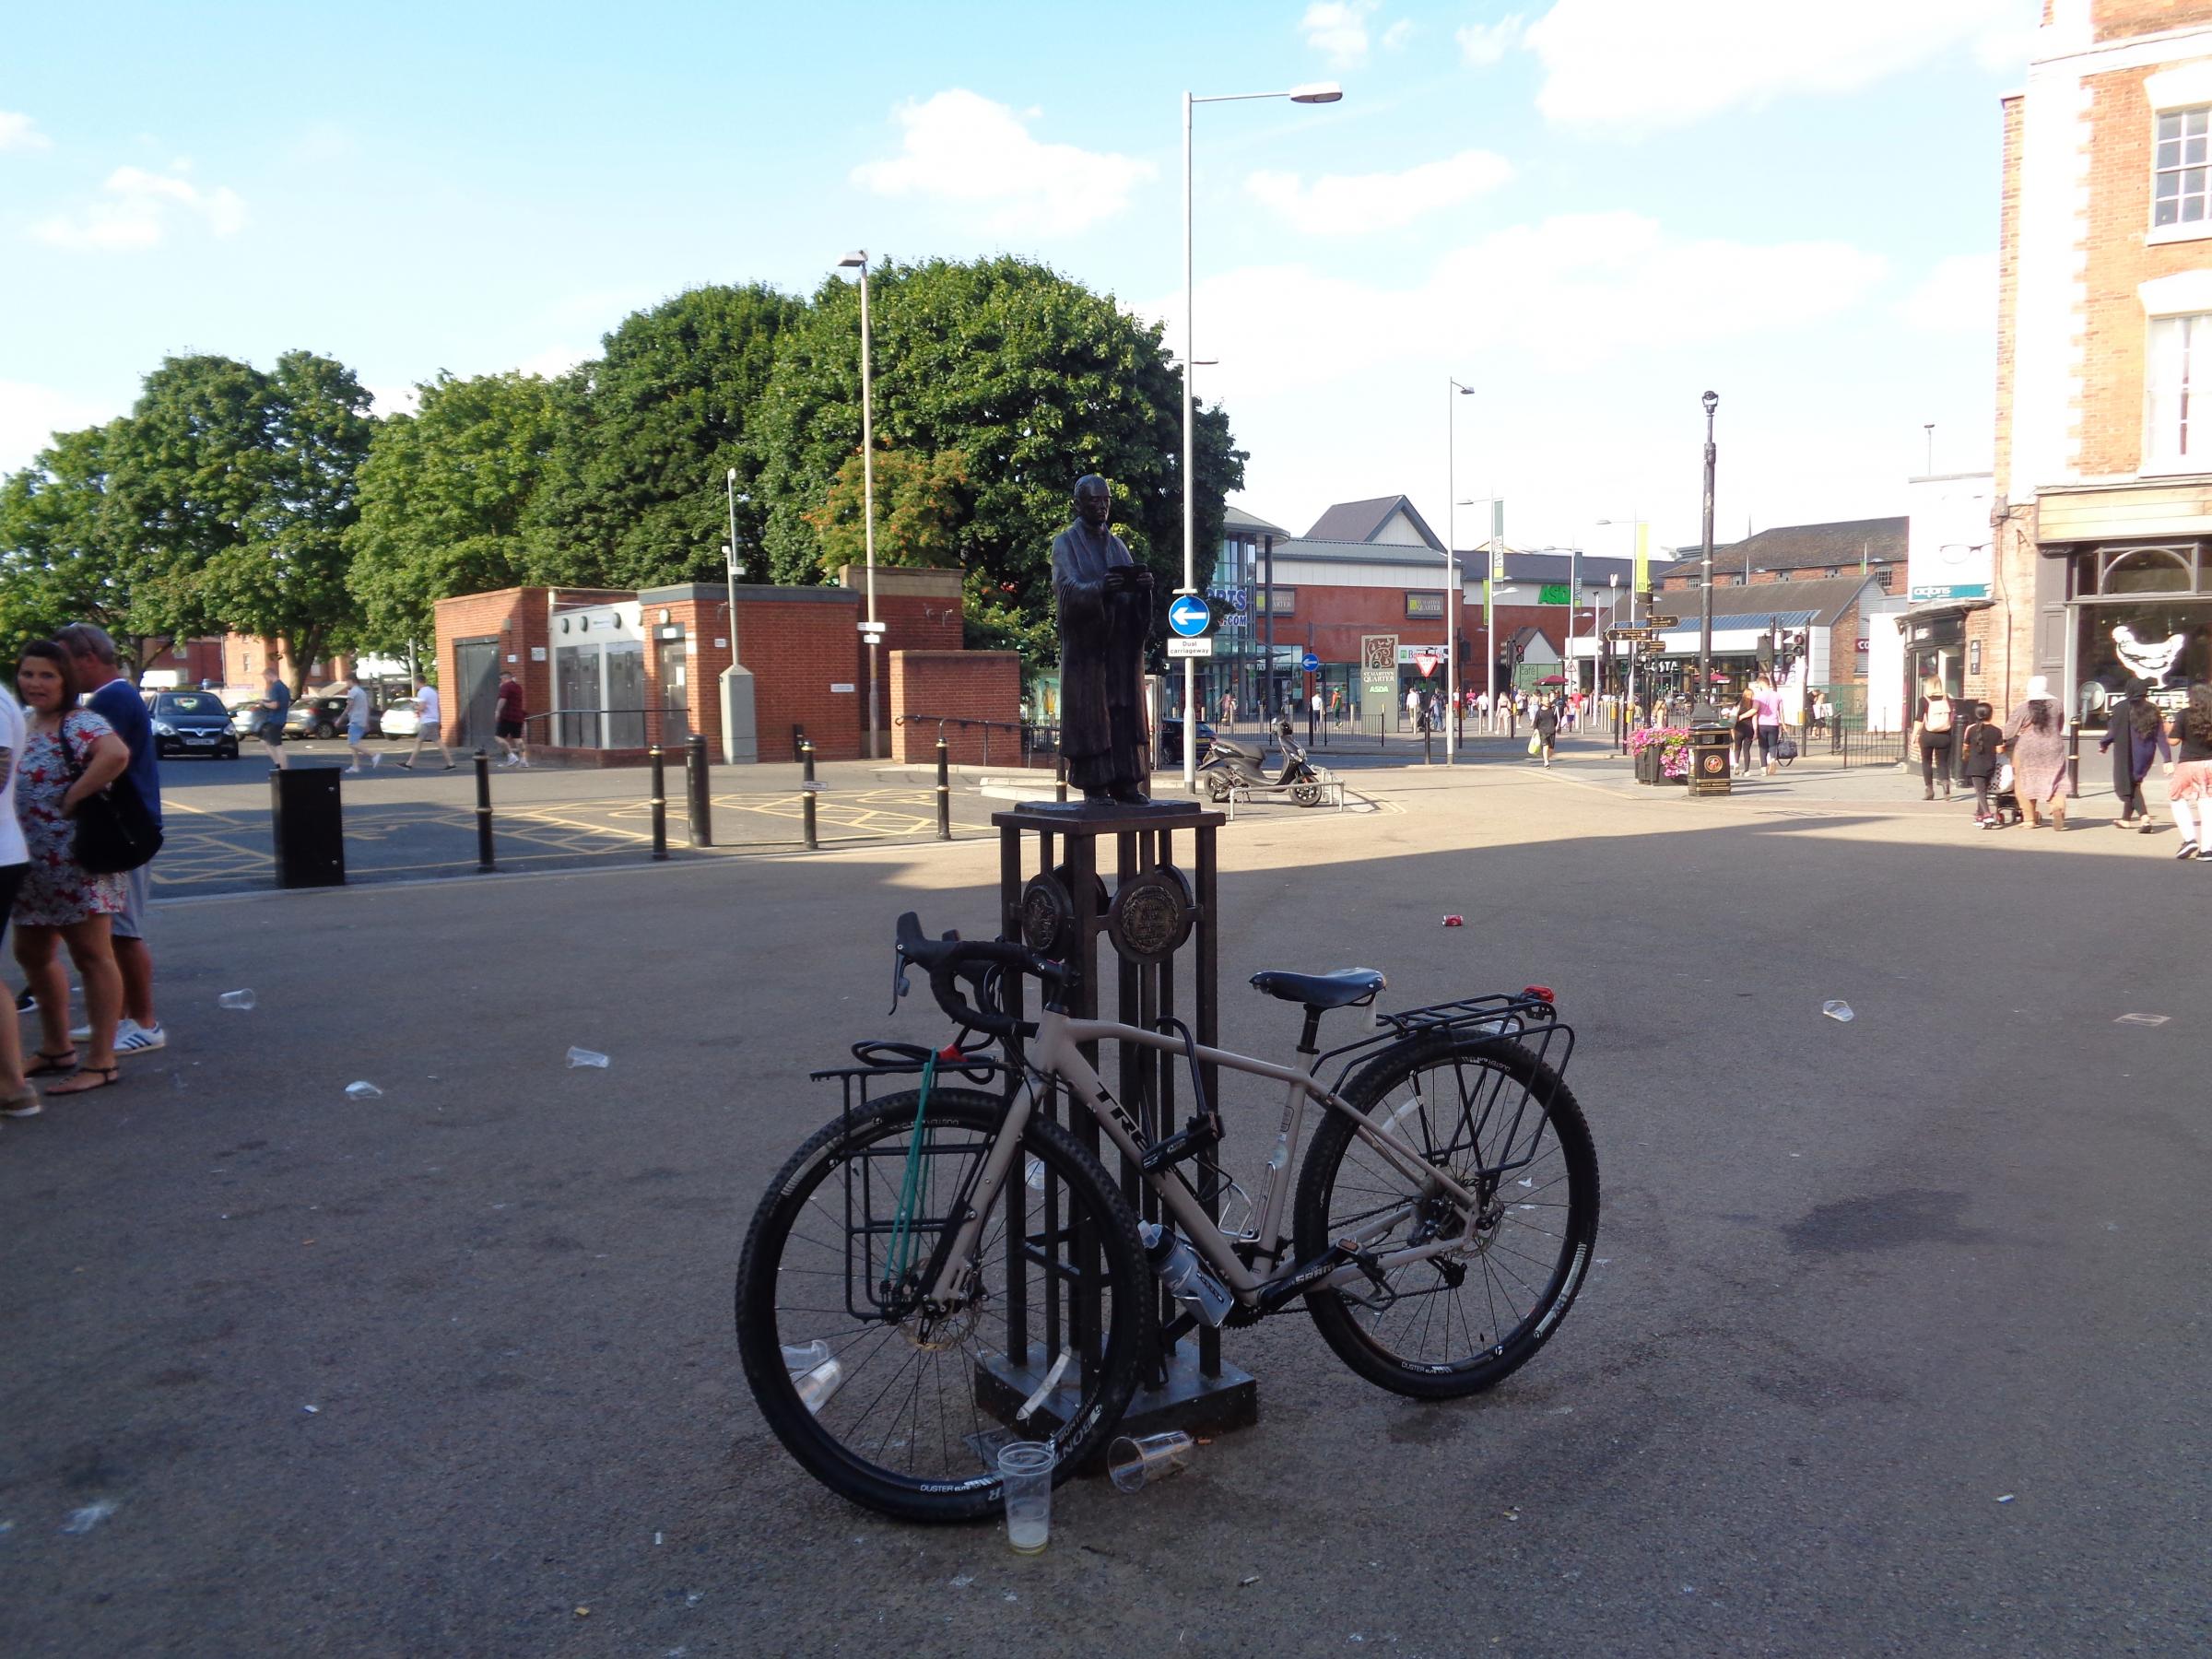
x=1445, y=1217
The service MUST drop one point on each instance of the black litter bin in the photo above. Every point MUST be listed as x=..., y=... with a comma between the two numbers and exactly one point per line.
x=1708, y=758
x=307, y=827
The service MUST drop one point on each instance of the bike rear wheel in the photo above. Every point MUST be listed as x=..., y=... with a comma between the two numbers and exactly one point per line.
x=910, y=1421
x=1504, y=1125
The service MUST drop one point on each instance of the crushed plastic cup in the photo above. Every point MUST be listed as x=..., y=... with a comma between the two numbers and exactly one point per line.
x=1837, y=1011
x=240, y=1001
x=363, y=1090
x=1136, y=1461
x=1025, y=1472
x=1455, y=922
x=806, y=1356
x=817, y=1384
x=1032, y=1174
x=583, y=1056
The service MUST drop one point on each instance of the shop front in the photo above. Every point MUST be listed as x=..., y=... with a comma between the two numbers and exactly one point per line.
x=2138, y=612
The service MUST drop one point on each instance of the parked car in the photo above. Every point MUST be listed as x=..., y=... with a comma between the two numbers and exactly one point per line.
x=191, y=723
x=245, y=718
x=1170, y=739
x=399, y=721
x=321, y=715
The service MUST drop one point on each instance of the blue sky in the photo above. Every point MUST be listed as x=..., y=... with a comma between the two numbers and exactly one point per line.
x=1591, y=210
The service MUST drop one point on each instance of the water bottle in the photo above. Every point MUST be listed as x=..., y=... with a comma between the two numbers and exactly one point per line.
x=1184, y=1274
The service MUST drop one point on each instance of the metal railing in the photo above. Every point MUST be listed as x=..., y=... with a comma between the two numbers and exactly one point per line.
x=1033, y=743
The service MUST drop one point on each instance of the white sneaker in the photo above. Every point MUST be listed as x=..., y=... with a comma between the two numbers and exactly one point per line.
x=522, y=761
x=353, y=771
x=131, y=1038
x=375, y=760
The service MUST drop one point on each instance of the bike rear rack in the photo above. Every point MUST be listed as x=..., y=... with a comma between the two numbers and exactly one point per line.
x=1520, y=1017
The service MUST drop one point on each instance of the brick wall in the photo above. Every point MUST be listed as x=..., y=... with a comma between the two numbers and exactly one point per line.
x=949, y=685
x=799, y=642
x=517, y=618
x=2119, y=19
x=920, y=610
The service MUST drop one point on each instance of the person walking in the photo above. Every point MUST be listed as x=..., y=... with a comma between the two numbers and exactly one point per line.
x=1744, y=727
x=2035, y=738
x=1933, y=720
x=1766, y=717
x=1979, y=747
x=1546, y=734
x=276, y=704
x=1229, y=711
x=18, y=1095
x=428, y=725
x=1313, y=720
x=68, y=754
x=2135, y=734
x=356, y=723
x=507, y=722
x=93, y=665
x=2189, y=773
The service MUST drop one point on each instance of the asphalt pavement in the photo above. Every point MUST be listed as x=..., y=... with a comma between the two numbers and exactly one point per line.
x=1895, y=1342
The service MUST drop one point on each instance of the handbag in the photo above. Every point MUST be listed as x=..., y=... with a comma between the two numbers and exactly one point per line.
x=114, y=829
x=1785, y=748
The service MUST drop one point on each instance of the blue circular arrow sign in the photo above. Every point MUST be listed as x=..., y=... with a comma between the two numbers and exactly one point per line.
x=1310, y=662
x=1190, y=615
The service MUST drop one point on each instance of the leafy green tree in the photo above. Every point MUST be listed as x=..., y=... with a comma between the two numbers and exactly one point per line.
x=921, y=507
x=186, y=477
x=445, y=497
x=64, y=555
x=637, y=492
x=288, y=577
x=1035, y=381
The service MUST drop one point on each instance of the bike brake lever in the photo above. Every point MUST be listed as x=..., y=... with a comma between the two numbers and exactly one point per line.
x=898, y=979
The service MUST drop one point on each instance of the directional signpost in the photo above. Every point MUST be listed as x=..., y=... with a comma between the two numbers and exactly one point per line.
x=1188, y=618
x=1310, y=662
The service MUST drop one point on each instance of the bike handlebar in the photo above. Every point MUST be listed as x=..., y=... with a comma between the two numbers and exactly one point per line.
x=951, y=959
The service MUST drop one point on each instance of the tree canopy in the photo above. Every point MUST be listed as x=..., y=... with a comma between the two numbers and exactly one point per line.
x=272, y=503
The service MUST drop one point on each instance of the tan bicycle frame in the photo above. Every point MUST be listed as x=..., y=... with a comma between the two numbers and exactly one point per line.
x=1056, y=1051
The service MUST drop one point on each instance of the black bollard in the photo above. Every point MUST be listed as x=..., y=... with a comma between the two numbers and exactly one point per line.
x=944, y=788
x=808, y=788
x=660, y=805
x=1427, y=746
x=695, y=791
x=2073, y=760
x=483, y=811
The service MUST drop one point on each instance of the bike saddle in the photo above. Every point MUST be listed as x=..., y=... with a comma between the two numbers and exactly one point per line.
x=1343, y=989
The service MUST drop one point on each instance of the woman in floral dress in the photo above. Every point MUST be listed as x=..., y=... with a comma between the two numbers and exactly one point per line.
x=59, y=898
x=2035, y=740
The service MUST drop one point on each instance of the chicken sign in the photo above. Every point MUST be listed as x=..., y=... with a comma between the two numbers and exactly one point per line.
x=2152, y=662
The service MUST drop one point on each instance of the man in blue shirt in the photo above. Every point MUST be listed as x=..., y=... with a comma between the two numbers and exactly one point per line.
x=117, y=701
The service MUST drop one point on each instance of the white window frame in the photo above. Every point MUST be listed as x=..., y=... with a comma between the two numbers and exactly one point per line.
x=2177, y=392
x=2179, y=91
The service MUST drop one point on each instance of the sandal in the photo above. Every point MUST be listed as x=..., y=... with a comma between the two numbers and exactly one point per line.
x=54, y=1066
x=109, y=1077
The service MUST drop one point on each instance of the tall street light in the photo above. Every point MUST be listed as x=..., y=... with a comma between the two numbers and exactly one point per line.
x=1711, y=400
x=1317, y=92
x=1452, y=389
x=871, y=629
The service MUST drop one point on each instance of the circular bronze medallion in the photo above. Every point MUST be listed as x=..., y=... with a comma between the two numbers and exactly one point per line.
x=1715, y=764
x=1048, y=916
x=1151, y=915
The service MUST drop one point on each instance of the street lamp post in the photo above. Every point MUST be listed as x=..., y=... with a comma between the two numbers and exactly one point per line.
x=1452, y=389
x=858, y=260
x=1318, y=92
x=1712, y=401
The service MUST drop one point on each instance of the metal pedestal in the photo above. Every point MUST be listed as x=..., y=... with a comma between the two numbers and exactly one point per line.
x=1190, y=1388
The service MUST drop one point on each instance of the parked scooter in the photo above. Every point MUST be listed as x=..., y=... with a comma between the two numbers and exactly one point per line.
x=1232, y=769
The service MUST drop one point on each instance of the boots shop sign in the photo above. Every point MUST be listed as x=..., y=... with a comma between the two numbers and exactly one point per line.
x=1948, y=542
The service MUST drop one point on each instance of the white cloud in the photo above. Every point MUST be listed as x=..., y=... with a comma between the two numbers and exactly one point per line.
x=1633, y=63
x=1565, y=296
x=1337, y=29
x=1482, y=45
x=19, y=132
x=394, y=400
x=961, y=148
x=1351, y=205
x=31, y=415
x=1959, y=296
x=137, y=211
x=1398, y=33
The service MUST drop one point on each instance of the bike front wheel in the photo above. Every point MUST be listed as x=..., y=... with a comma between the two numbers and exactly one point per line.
x=1501, y=1123
x=900, y=1405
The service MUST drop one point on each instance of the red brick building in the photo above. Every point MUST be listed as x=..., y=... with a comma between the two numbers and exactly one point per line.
x=607, y=674
x=2102, y=533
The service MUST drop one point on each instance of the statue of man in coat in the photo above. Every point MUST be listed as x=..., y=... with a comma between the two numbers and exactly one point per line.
x=1105, y=603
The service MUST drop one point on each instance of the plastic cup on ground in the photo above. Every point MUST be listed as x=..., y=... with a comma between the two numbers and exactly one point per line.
x=239, y=1001
x=1839, y=1011
x=1137, y=1462
x=583, y=1056
x=1025, y=1471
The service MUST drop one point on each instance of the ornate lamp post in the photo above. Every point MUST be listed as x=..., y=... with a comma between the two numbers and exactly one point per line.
x=1711, y=400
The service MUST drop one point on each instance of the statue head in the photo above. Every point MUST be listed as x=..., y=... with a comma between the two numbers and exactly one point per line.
x=1094, y=503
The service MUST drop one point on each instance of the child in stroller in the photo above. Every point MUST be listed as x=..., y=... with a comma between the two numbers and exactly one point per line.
x=1982, y=763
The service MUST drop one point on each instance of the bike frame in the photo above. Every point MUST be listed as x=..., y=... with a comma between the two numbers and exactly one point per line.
x=1056, y=1054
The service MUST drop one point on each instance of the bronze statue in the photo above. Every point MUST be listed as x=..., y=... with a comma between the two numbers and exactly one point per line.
x=1105, y=603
